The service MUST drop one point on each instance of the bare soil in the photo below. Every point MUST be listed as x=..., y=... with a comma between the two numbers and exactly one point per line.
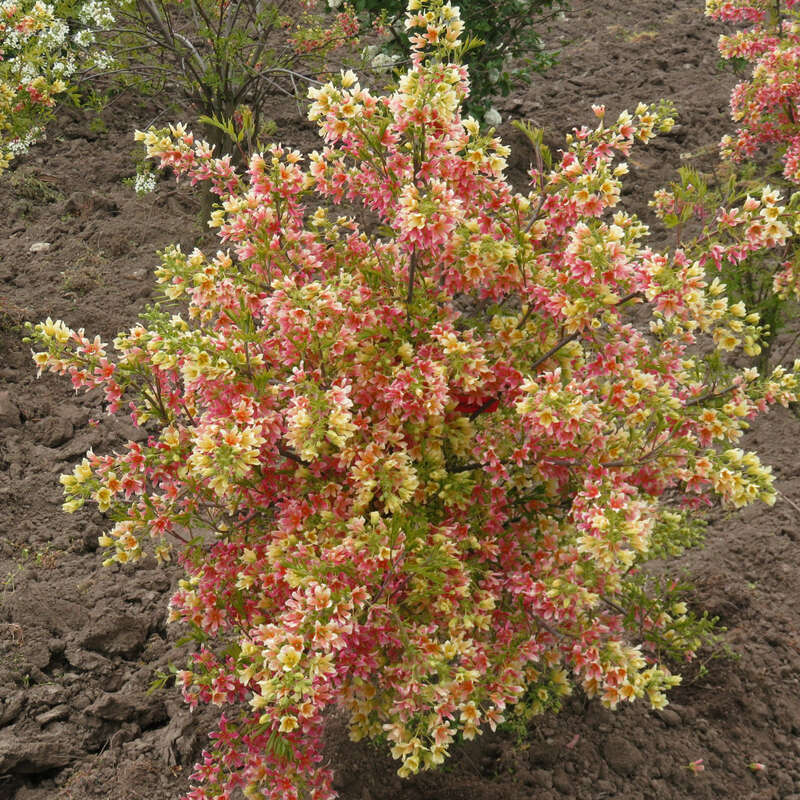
x=80, y=644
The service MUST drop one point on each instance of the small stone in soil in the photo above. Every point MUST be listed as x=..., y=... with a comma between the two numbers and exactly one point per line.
x=53, y=431
x=9, y=413
x=622, y=756
x=59, y=712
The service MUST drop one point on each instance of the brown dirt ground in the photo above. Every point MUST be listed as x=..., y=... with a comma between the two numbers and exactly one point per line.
x=80, y=644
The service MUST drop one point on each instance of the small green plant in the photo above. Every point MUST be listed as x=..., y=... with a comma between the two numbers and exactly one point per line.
x=97, y=125
x=12, y=316
x=84, y=275
x=243, y=130
x=162, y=679
x=24, y=557
x=29, y=187
x=10, y=578
x=738, y=66
x=222, y=59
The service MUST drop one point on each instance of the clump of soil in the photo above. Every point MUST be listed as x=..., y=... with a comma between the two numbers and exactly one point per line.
x=80, y=644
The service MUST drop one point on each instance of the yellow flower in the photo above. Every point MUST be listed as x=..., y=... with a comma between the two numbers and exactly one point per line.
x=103, y=498
x=55, y=330
x=470, y=713
x=288, y=723
x=406, y=352
x=323, y=665
x=289, y=657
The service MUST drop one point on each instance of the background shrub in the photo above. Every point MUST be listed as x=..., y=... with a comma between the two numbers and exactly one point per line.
x=221, y=59
x=42, y=47
x=760, y=158
x=512, y=50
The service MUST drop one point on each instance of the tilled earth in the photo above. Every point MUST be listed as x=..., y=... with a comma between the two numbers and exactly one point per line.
x=80, y=644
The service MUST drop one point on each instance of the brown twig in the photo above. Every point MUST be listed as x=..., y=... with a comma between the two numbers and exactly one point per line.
x=709, y=396
x=290, y=454
x=790, y=502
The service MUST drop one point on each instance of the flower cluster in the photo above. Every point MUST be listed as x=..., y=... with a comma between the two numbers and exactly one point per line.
x=38, y=57
x=739, y=219
x=412, y=465
x=766, y=106
x=749, y=239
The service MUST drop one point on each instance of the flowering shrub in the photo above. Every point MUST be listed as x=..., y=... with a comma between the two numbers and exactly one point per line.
x=512, y=48
x=768, y=105
x=412, y=466
x=42, y=45
x=763, y=278
x=766, y=108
